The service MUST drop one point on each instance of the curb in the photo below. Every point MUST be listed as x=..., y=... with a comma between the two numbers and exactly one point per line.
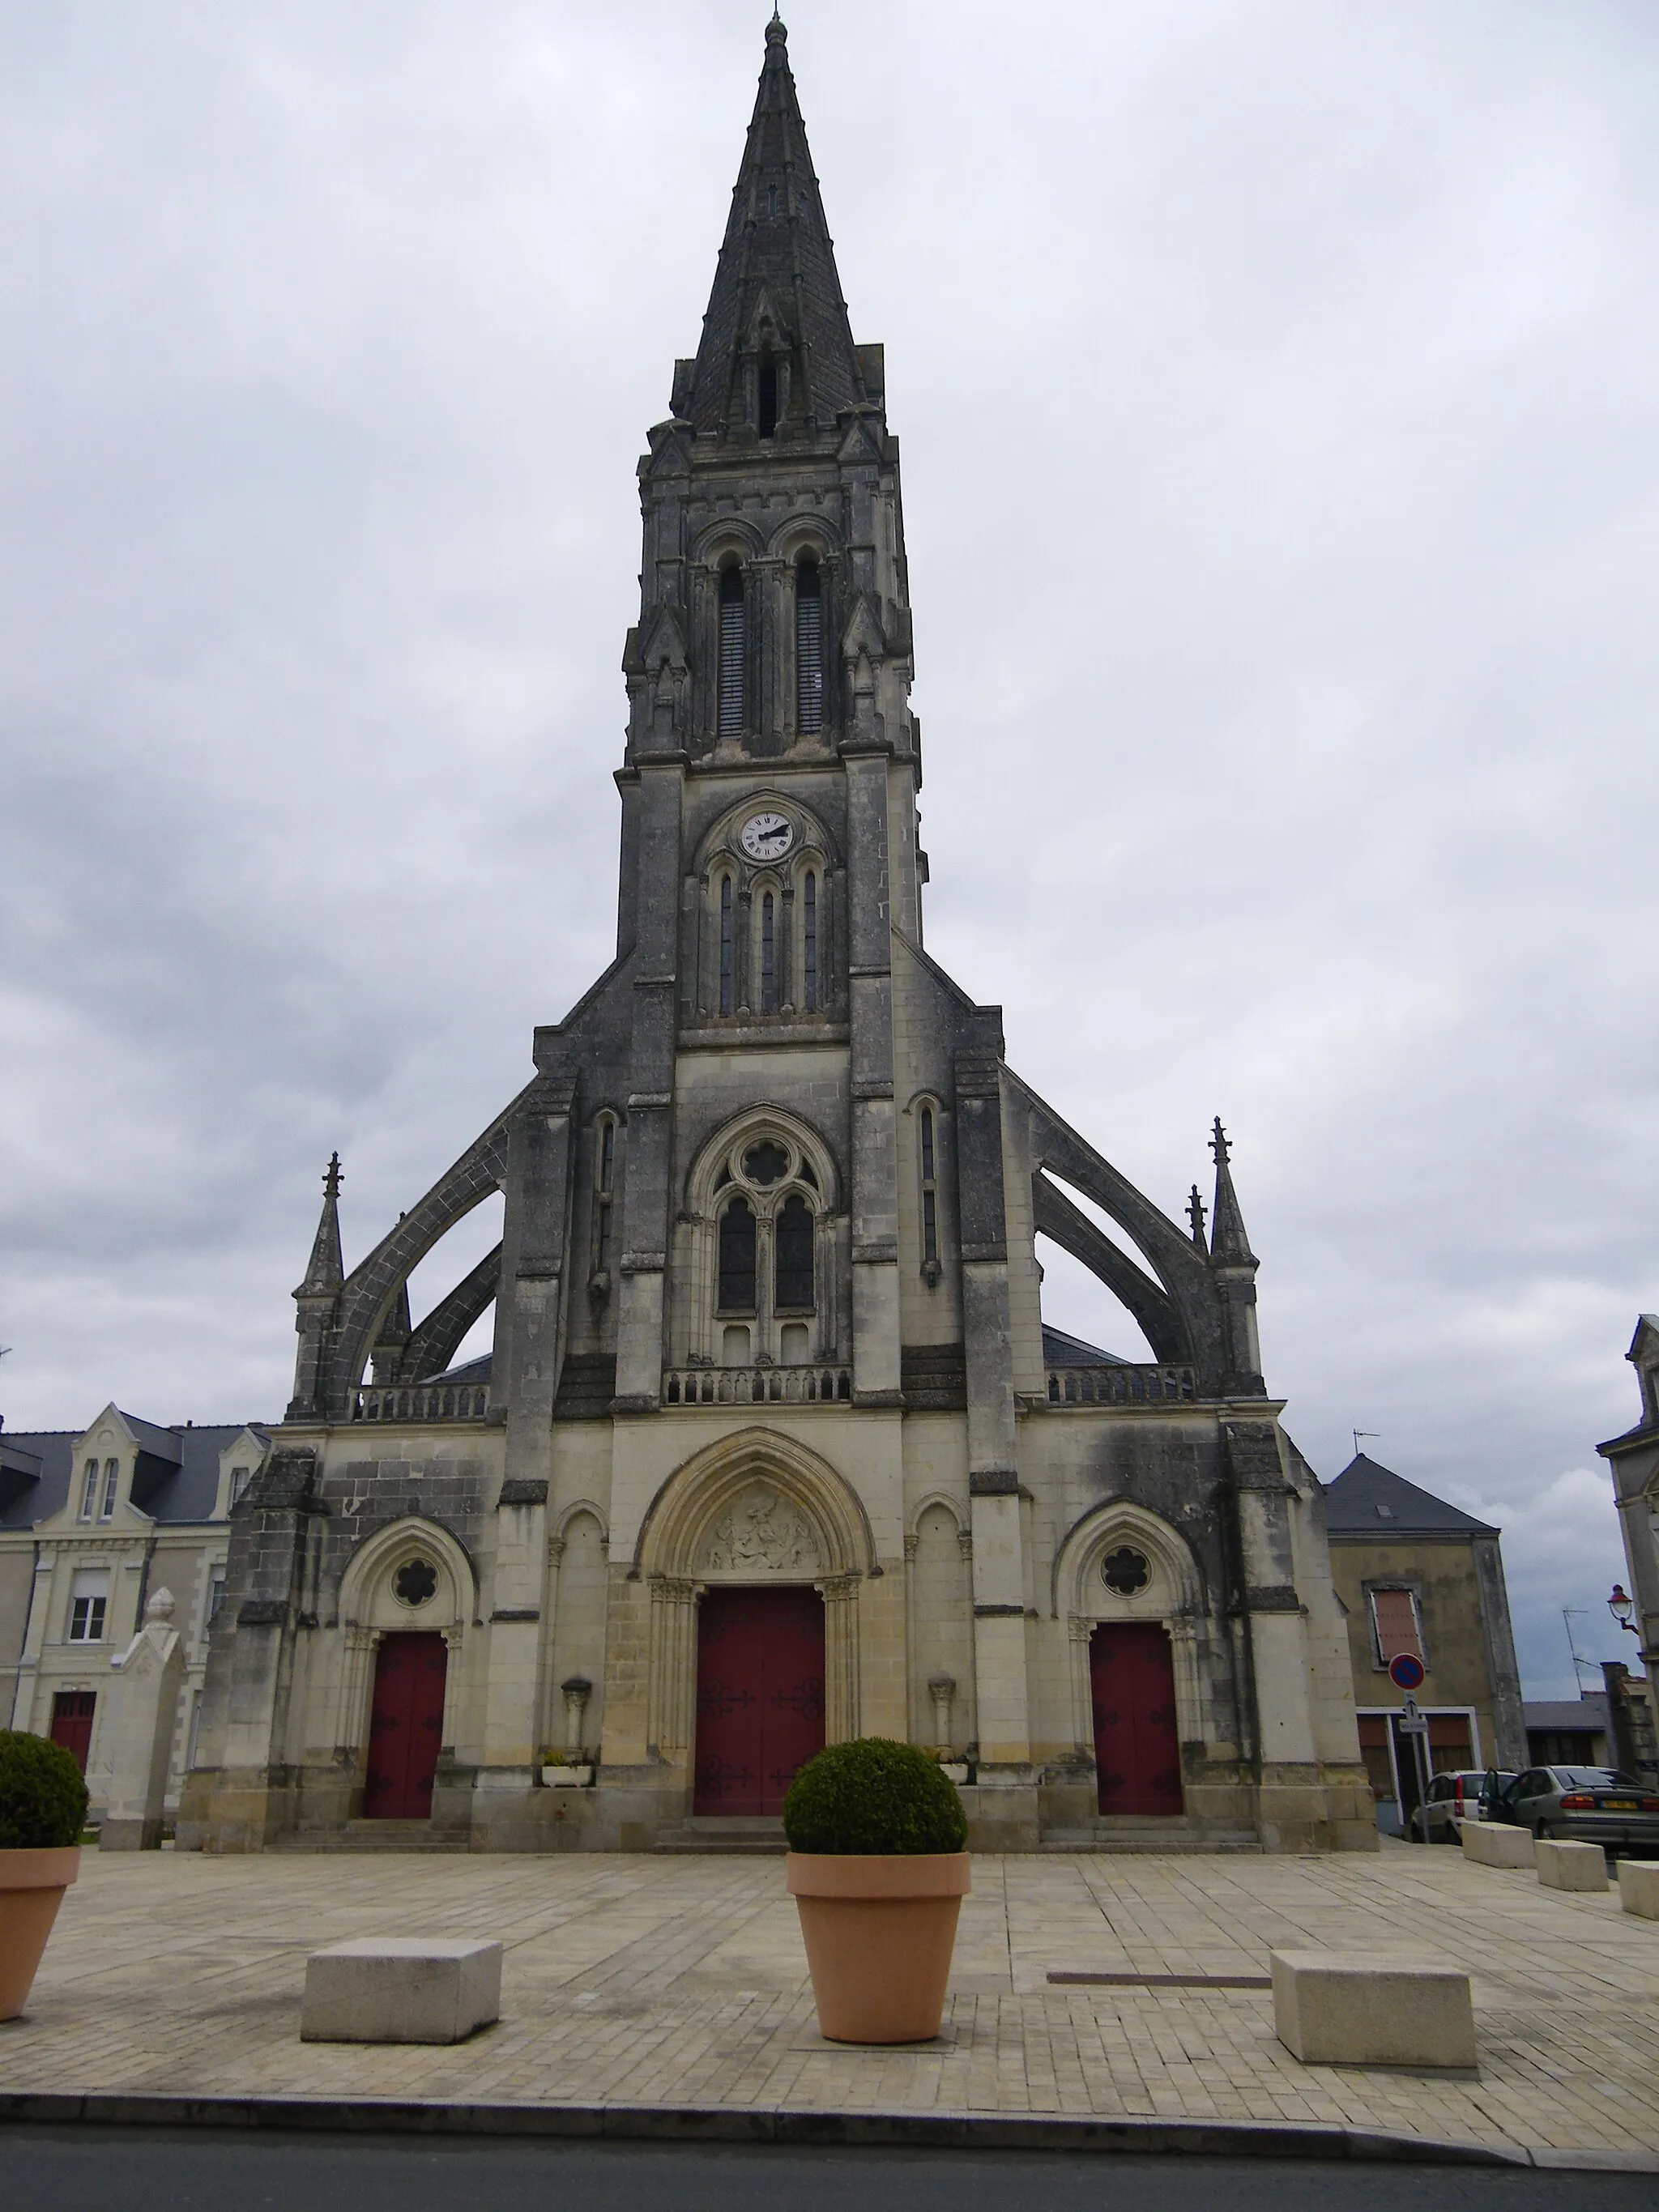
x=772, y=2125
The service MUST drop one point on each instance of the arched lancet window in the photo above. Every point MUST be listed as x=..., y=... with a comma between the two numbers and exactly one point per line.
x=808, y=648
x=768, y=396
x=727, y=979
x=809, y=942
x=734, y=645
x=736, y=1283
x=605, y=1175
x=769, y=955
x=793, y=1251
x=929, y=1196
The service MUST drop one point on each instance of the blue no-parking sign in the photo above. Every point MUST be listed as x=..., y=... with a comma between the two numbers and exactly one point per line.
x=1405, y=1672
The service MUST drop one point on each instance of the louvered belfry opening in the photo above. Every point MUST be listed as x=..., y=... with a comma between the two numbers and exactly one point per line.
x=734, y=629
x=808, y=648
x=810, y=943
x=769, y=955
x=767, y=397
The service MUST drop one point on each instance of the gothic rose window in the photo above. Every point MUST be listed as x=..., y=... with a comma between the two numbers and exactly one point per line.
x=414, y=1583
x=1125, y=1571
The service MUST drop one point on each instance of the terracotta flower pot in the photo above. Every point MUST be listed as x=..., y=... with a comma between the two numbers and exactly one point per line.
x=879, y=1932
x=31, y=1886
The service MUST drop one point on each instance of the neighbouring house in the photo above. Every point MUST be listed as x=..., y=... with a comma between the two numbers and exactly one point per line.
x=1570, y=1731
x=93, y=1522
x=1633, y=1458
x=1419, y=1576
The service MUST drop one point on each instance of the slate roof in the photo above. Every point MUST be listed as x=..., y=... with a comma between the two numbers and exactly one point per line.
x=183, y=1470
x=1060, y=1350
x=1586, y=1715
x=1368, y=1500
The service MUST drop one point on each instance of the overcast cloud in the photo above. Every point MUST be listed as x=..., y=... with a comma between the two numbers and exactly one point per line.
x=1276, y=384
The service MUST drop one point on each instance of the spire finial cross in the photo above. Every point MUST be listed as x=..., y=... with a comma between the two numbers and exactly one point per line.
x=1195, y=1215
x=1218, y=1145
x=333, y=1178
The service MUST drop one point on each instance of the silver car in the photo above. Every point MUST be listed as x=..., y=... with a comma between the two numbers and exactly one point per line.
x=1581, y=1805
x=1451, y=1798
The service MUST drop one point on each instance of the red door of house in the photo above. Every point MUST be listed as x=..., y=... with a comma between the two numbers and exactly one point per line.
x=405, y=1727
x=71, y=1722
x=1137, y=1748
x=760, y=1696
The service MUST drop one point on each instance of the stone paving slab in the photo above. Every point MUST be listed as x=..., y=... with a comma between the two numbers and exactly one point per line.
x=680, y=1981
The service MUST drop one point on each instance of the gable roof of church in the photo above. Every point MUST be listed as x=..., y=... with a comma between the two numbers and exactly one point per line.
x=1368, y=1500
x=777, y=253
x=1060, y=1350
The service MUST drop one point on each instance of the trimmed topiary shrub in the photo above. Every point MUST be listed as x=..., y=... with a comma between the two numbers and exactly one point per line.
x=43, y=1800
x=873, y=1796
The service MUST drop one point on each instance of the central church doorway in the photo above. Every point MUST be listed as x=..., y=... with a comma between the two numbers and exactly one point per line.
x=1136, y=1745
x=760, y=1695
x=405, y=1727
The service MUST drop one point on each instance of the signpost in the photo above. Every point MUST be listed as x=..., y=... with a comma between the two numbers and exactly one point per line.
x=1406, y=1671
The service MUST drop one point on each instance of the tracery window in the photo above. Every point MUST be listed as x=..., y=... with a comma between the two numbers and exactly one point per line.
x=769, y=955
x=605, y=1169
x=736, y=1258
x=734, y=628
x=929, y=1197
x=809, y=648
x=808, y=941
x=792, y=1256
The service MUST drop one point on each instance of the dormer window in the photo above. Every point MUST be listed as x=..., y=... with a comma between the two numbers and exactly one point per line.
x=734, y=628
x=809, y=648
x=240, y=1478
x=89, y=1490
x=111, y=1478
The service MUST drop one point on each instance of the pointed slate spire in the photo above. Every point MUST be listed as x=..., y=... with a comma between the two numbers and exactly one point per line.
x=327, y=1269
x=775, y=285
x=1229, y=1244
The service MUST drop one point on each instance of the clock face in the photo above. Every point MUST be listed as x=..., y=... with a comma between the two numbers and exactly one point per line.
x=767, y=836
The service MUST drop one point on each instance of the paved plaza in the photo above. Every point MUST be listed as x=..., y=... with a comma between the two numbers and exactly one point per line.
x=679, y=1980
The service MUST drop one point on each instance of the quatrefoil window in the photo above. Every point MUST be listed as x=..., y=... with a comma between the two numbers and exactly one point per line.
x=414, y=1583
x=1125, y=1571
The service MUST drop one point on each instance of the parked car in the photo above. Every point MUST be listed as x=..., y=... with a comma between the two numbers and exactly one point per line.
x=1452, y=1798
x=1581, y=1805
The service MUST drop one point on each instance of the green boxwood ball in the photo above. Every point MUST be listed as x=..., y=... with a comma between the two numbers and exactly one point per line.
x=43, y=1800
x=876, y=1797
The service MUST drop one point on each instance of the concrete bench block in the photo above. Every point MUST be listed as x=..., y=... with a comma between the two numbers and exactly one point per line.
x=1353, y=2008
x=1638, y=1887
x=390, y=1989
x=1491, y=1842
x=1571, y=1866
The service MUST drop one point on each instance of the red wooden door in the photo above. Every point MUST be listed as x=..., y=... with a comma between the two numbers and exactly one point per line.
x=405, y=1727
x=71, y=1722
x=1137, y=1749
x=760, y=1696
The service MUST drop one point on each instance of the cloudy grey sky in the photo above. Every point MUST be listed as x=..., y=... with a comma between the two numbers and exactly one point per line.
x=1281, y=446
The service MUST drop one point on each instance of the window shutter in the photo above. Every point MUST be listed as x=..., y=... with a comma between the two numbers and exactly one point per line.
x=1394, y=1612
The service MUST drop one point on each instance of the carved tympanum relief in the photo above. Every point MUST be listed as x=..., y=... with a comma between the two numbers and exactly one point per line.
x=761, y=1534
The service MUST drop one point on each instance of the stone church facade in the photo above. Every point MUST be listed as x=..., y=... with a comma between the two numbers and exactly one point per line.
x=772, y=1447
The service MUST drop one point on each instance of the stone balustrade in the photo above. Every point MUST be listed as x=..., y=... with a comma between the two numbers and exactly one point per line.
x=757, y=1386
x=421, y=1402
x=1120, y=1386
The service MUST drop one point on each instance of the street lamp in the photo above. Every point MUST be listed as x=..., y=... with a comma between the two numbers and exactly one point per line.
x=1621, y=1604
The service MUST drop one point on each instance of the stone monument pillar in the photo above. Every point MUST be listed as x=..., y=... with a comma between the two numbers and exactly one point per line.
x=151, y=1673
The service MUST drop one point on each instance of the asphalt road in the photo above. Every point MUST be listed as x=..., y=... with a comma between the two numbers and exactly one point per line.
x=92, y=2169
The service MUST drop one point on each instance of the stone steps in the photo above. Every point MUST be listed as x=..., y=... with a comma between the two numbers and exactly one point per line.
x=1126, y=1832
x=380, y=1836
x=737, y=1835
